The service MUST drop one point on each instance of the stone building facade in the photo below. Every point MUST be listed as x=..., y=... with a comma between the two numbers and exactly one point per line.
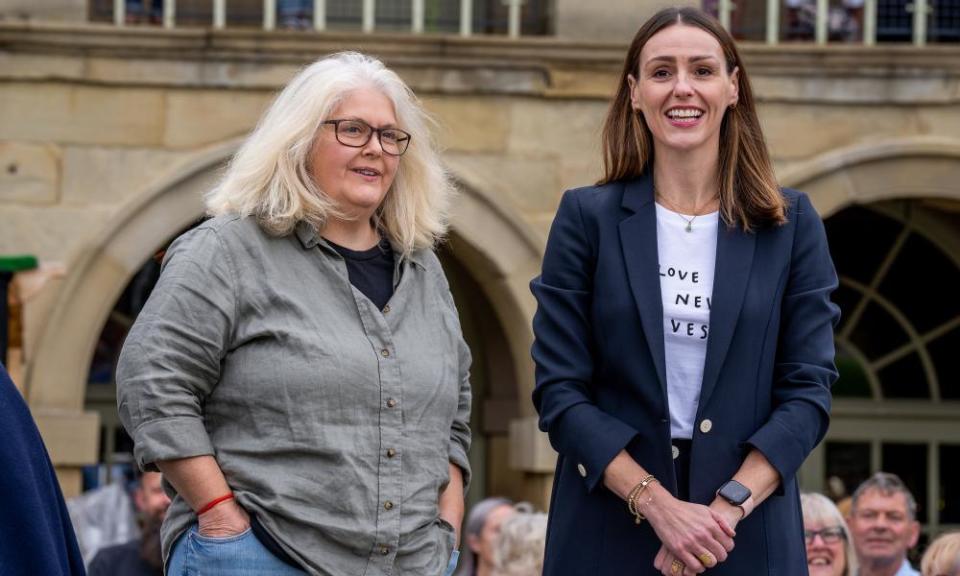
x=109, y=136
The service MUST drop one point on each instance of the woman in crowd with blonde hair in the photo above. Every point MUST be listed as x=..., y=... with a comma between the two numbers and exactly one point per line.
x=299, y=374
x=519, y=546
x=942, y=558
x=829, y=546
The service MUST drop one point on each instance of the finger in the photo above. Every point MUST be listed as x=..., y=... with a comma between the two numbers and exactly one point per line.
x=690, y=561
x=709, y=559
x=660, y=559
x=727, y=529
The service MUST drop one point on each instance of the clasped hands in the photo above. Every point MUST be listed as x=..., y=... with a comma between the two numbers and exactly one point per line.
x=695, y=537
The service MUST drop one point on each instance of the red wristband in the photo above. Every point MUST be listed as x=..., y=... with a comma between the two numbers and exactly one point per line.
x=209, y=506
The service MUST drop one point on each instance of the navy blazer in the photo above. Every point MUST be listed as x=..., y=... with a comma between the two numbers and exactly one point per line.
x=601, y=384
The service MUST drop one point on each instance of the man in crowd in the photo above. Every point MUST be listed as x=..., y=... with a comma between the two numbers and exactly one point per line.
x=883, y=522
x=140, y=557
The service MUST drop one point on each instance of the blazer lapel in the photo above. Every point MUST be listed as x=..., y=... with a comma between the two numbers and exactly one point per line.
x=638, y=240
x=734, y=259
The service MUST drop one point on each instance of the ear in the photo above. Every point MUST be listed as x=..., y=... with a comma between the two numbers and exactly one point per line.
x=915, y=529
x=473, y=542
x=634, y=87
x=735, y=86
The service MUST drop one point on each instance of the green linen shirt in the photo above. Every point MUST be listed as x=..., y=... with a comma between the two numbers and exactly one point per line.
x=333, y=421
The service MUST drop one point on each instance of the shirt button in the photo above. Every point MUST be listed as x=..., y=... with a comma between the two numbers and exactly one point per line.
x=384, y=550
x=706, y=425
x=385, y=353
x=386, y=309
x=582, y=470
x=391, y=452
x=388, y=505
x=391, y=403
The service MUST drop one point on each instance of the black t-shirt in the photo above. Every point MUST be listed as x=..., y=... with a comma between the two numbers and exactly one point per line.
x=370, y=271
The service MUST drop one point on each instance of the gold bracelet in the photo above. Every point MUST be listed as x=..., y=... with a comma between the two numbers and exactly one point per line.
x=632, y=504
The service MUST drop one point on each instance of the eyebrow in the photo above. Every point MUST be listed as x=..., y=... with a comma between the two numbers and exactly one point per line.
x=672, y=59
x=387, y=126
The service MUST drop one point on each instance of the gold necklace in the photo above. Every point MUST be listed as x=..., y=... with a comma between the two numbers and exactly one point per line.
x=675, y=210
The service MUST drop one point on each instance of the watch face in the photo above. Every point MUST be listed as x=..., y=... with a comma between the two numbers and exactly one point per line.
x=734, y=492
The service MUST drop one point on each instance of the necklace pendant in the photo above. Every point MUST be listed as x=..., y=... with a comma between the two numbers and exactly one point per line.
x=689, y=226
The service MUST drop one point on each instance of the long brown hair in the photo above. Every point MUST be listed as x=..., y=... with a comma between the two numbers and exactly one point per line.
x=749, y=193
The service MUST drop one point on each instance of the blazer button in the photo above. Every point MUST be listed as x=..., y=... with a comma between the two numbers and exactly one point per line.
x=676, y=452
x=706, y=425
x=582, y=470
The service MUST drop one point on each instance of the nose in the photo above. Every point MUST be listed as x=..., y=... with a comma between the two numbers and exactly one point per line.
x=682, y=88
x=373, y=146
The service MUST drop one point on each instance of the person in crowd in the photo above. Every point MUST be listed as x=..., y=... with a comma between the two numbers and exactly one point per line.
x=829, y=546
x=942, y=557
x=883, y=521
x=684, y=330
x=299, y=374
x=36, y=536
x=519, y=546
x=480, y=534
x=141, y=556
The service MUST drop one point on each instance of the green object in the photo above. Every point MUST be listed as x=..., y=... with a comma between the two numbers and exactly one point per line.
x=17, y=263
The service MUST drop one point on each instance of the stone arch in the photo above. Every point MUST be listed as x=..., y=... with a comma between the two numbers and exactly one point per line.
x=493, y=243
x=915, y=167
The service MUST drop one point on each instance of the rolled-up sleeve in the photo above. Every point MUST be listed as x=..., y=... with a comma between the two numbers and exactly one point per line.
x=804, y=370
x=563, y=354
x=460, y=435
x=171, y=358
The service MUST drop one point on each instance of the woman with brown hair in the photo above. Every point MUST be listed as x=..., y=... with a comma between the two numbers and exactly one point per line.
x=684, y=331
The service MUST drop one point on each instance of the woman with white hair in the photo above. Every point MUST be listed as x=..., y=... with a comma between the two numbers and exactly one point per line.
x=827, y=537
x=299, y=374
x=942, y=558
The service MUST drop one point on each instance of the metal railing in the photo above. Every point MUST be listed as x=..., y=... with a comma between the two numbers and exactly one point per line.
x=319, y=10
x=865, y=21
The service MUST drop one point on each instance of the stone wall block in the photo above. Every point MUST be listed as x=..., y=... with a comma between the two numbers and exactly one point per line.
x=29, y=173
x=100, y=175
x=199, y=118
x=470, y=124
x=80, y=114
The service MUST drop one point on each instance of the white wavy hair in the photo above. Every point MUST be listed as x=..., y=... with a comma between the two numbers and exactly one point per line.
x=269, y=176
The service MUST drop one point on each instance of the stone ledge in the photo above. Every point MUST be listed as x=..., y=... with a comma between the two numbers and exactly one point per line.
x=546, y=67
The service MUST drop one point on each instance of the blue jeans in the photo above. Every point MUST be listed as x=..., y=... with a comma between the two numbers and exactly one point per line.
x=240, y=555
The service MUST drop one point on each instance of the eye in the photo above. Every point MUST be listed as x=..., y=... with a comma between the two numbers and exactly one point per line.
x=704, y=71
x=390, y=135
x=352, y=128
x=661, y=73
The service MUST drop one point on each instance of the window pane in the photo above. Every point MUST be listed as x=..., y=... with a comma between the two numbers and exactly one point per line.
x=905, y=378
x=877, y=333
x=950, y=484
x=909, y=462
x=846, y=298
x=923, y=283
x=853, y=255
x=943, y=351
x=848, y=461
x=853, y=382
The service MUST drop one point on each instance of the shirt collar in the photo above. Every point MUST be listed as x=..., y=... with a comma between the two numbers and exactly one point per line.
x=309, y=239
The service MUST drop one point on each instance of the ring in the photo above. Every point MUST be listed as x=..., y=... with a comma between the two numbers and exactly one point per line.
x=707, y=560
x=676, y=566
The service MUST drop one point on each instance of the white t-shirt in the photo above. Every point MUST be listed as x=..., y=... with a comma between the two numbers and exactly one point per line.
x=687, y=261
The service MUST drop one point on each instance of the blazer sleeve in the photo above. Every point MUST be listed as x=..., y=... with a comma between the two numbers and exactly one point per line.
x=563, y=350
x=172, y=356
x=804, y=368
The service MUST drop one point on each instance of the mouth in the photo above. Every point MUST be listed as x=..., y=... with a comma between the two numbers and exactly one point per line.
x=820, y=561
x=367, y=172
x=684, y=115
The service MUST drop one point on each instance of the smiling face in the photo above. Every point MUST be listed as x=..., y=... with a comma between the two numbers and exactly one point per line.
x=882, y=528
x=683, y=89
x=355, y=179
x=825, y=558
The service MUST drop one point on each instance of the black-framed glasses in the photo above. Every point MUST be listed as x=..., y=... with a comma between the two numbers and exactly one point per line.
x=356, y=134
x=830, y=535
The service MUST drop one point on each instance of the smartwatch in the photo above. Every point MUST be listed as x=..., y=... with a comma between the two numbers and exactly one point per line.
x=737, y=495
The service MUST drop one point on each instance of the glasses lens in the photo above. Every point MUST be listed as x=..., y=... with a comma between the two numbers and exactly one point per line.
x=394, y=141
x=353, y=133
x=828, y=535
